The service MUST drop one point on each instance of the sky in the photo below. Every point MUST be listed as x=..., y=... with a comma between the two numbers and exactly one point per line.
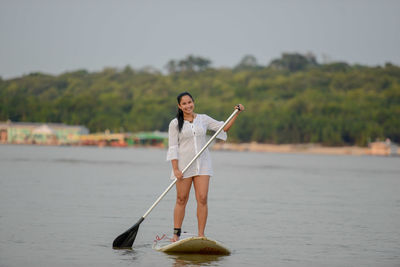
x=57, y=36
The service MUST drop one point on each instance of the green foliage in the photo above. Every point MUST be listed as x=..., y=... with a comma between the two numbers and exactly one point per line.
x=294, y=62
x=248, y=62
x=189, y=64
x=293, y=100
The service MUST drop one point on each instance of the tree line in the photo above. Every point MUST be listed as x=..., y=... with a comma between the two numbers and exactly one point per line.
x=293, y=99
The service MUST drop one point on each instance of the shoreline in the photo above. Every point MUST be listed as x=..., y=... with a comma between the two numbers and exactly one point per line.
x=300, y=149
x=316, y=149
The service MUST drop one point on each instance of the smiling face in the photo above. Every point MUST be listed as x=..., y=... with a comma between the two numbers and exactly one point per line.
x=186, y=105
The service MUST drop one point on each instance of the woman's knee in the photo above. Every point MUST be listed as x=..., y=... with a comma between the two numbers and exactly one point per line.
x=202, y=199
x=182, y=191
x=182, y=199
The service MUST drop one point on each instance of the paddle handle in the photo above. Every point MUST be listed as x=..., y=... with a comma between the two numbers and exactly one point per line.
x=190, y=163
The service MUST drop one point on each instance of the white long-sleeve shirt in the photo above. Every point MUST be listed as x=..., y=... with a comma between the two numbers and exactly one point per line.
x=184, y=145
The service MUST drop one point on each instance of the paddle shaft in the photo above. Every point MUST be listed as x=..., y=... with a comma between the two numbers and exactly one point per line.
x=191, y=162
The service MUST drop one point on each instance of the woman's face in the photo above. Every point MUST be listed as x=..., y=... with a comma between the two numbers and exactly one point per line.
x=186, y=105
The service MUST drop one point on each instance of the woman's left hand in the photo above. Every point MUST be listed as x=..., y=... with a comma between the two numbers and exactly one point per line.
x=240, y=107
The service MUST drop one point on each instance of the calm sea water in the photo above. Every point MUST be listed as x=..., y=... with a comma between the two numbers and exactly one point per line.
x=63, y=206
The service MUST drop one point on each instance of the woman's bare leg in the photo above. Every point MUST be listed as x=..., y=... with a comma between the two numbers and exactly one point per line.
x=200, y=184
x=182, y=195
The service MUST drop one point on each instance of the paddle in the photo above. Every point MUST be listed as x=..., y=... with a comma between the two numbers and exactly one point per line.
x=126, y=239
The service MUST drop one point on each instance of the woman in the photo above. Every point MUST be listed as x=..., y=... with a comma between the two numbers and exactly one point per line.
x=187, y=134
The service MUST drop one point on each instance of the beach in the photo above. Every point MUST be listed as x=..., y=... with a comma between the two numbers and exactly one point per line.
x=377, y=148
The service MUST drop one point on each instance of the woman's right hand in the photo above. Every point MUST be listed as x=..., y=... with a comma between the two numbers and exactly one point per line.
x=178, y=174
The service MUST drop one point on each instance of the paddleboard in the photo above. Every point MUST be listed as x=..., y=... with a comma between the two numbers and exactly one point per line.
x=195, y=245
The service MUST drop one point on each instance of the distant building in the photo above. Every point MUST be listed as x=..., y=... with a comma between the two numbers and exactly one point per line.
x=62, y=134
x=40, y=133
x=154, y=139
x=380, y=148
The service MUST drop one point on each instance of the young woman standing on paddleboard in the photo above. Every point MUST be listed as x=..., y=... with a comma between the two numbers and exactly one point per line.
x=187, y=135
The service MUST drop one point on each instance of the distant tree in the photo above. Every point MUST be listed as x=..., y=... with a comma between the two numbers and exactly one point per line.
x=201, y=63
x=294, y=62
x=247, y=62
x=149, y=70
x=172, y=66
x=336, y=66
x=188, y=64
x=128, y=70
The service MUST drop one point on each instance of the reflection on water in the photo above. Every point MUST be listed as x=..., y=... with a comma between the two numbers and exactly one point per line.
x=133, y=254
x=129, y=254
x=195, y=259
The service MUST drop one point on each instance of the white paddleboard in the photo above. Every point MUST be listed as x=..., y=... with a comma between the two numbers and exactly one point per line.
x=195, y=245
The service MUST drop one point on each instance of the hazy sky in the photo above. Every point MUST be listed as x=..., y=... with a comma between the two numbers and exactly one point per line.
x=54, y=36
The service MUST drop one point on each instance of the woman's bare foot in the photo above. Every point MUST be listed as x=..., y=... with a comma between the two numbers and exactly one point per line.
x=175, y=238
x=177, y=234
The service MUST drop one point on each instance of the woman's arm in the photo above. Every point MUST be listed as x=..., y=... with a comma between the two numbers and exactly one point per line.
x=230, y=123
x=173, y=144
x=178, y=174
x=173, y=140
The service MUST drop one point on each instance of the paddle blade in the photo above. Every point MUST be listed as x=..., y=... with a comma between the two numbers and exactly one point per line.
x=126, y=239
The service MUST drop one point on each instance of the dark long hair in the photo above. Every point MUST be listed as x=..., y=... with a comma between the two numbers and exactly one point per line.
x=179, y=115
